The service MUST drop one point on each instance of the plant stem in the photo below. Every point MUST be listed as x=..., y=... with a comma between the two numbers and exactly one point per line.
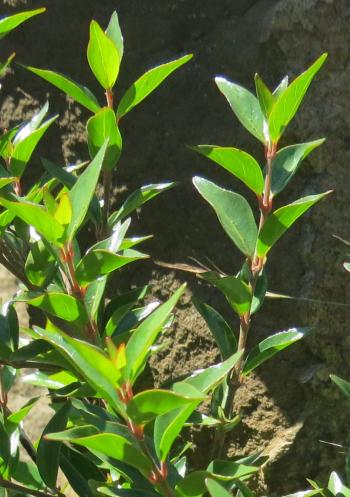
x=35, y=493
x=107, y=179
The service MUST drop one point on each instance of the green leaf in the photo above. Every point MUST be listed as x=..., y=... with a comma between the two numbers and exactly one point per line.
x=40, y=264
x=100, y=127
x=231, y=470
x=7, y=24
x=138, y=198
x=168, y=426
x=100, y=262
x=103, y=56
x=233, y=212
x=48, y=453
x=90, y=362
x=238, y=163
x=149, y=404
x=246, y=107
x=288, y=102
x=287, y=162
x=221, y=331
x=146, y=333
x=192, y=485
x=83, y=191
x=77, y=92
x=37, y=216
x=281, y=88
x=264, y=95
x=347, y=266
x=147, y=83
x=235, y=290
x=271, y=345
x=28, y=474
x=5, y=65
x=342, y=384
x=215, y=489
x=114, y=32
x=108, y=444
x=60, y=305
x=282, y=219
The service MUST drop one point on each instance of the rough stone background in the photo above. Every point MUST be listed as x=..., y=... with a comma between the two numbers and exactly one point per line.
x=290, y=404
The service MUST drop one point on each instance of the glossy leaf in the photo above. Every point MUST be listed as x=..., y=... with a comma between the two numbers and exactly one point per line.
x=287, y=162
x=100, y=127
x=235, y=290
x=37, y=216
x=9, y=23
x=48, y=453
x=342, y=384
x=77, y=92
x=237, y=162
x=287, y=104
x=246, y=107
x=138, y=198
x=282, y=219
x=264, y=95
x=100, y=262
x=60, y=305
x=89, y=361
x=144, y=336
x=114, y=32
x=149, y=404
x=147, y=83
x=271, y=345
x=168, y=426
x=103, y=56
x=83, y=191
x=221, y=331
x=108, y=444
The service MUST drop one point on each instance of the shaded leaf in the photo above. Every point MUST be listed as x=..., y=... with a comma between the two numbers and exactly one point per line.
x=264, y=95
x=114, y=32
x=100, y=127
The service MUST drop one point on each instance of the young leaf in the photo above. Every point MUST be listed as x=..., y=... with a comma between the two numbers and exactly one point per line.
x=35, y=215
x=138, y=198
x=235, y=290
x=271, y=345
x=287, y=162
x=144, y=336
x=99, y=262
x=342, y=384
x=89, y=361
x=7, y=24
x=103, y=56
x=108, y=444
x=233, y=212
x=100, y=127
x=287, y=104
x=264, y=95
x=23, y=149
x=149, y=404
x=83, y=191
x=221, y=331
x=147, y=83
x=114, y=32
x=282, y=219
x=48, y=453
x=246, y=107
x=238, y=163
x=77, y=92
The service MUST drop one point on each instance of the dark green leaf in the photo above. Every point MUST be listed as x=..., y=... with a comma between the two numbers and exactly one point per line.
x=215, y=489
x=264, y=95
x=147, y=83
x=238, y=163
x=78, y=92
x=233, y=212
x=103, y=56
x=40, y=264
x=288, y=102
x=48, y=453
x=100, y=127
x=222, y=333
x=7, y=24
x=235, y=290
x=246, y=107
x=287, y=162
x=342, y=384
x=271, y=345
x=282, y=219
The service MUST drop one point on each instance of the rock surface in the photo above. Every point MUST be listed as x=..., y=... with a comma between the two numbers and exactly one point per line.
x=290, y=405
